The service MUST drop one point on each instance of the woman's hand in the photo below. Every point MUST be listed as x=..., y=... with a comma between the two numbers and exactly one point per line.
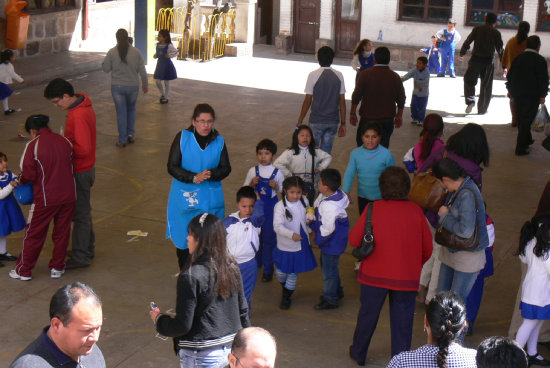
x=296, y=237
x=154, y=314
x=202, y=176
x=442, y=210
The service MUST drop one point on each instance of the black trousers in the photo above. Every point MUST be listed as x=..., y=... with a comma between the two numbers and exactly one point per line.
x=484, y=71
x=526, y=110
x=387, y=130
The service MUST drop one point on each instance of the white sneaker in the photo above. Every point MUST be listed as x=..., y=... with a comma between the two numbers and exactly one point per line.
x=470, y=107
x=14, y=275
x=55, y=274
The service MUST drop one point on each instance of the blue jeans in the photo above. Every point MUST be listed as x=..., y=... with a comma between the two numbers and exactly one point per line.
x=323, y=135
x=459, y=282
x=332, y=287
x=208, y=358
x=125, y=98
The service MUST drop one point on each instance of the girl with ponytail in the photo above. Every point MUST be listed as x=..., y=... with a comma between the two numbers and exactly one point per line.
x=430, y=138
x=444, y=322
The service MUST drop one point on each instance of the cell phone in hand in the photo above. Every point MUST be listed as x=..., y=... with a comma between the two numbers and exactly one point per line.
x=154, y=306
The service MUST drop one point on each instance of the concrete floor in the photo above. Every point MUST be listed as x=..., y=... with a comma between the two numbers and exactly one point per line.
x=131, y=192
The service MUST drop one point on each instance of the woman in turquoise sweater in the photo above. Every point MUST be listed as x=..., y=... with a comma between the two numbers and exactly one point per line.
x=368, y=162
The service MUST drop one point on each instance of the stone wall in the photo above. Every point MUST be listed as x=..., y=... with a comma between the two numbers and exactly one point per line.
x=50, y=32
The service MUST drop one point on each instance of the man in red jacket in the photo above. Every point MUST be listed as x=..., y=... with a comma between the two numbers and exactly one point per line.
x=47, y=162
x=80, y=129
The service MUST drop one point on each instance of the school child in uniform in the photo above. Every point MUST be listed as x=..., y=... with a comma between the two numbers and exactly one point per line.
x=11, y=217
x=243, y=230
x=165, y=70
x=534, y=246
x=303, y=159
x=363, y=57
x=267, y=180
x=331, y=226
x=7, y=75
x=434, y=56
x=293, y=254
x=421, y=90
x=448, y=39
x=474, y=299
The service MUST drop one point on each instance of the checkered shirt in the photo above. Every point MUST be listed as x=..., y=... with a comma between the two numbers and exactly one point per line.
x=425, y=357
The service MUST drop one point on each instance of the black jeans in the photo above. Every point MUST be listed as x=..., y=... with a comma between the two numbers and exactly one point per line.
x=387, y=130
x=484, y=71
x=362, y=204
x=526, y=110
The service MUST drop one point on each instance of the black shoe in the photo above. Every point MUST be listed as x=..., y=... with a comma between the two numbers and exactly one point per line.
x=71, y=264
x=453, y=76
x=7, y=257
x=285, y=300
x=359, y=362
x=325, y=305
x=538, y=360
x=524, y=152
x=120, y=144
x=441, y=75
x=9, y=111
x=163, y=100
x=267, y=277
x=131, y=139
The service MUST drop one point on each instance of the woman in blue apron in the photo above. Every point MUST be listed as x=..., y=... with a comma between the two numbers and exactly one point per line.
x=198, y=162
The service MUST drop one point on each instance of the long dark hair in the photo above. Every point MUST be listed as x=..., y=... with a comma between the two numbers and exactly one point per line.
x=470, y=142
x=209, y=232
x=5, y=56
x=431, y=129
x=538, y=228
x=448, y=168
x=311, y=148
x=122, y=44
x=290, y=182
x=446, y=316
x=166, y=34
x=523, y=31
x=359, y=48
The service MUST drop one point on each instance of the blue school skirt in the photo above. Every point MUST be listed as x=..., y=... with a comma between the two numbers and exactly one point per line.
x=5, y=91
x=530, y=311
x=296, y=262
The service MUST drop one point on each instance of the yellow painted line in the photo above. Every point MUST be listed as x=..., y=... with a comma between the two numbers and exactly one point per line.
x=133, y=203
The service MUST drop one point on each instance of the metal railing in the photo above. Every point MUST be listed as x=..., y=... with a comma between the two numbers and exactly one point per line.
x=199, y=36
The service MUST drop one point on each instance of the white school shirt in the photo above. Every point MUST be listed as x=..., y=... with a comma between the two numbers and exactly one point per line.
x=536, y=285
x=8, y=74
x=330, y=211
x=284, y=228
x=243, y=238
x=265, y=172
x=300, y=165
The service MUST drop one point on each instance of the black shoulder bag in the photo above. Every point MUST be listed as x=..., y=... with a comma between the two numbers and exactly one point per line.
x=367, y=244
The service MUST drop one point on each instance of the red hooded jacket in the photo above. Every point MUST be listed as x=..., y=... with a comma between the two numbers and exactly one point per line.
x=80, y=129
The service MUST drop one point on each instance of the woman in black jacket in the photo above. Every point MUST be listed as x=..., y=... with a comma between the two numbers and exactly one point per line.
x=210, y=306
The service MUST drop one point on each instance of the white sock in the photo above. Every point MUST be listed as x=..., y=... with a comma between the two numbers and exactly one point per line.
x=2, y=244
x=5, y=104
x=159, y=86
x=528, y=333
x=166, y=88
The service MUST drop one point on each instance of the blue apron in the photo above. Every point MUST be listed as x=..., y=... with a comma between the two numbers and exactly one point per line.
x=187, y=200
x=165, y=69
x=268, y=238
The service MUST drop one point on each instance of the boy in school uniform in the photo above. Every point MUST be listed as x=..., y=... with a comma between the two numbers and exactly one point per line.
x=421, y=90
x=243, y=236
x=331, y=227
x=268, y=182
x=448, y=38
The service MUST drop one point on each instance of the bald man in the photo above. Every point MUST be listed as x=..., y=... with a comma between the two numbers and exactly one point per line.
x=253, y=347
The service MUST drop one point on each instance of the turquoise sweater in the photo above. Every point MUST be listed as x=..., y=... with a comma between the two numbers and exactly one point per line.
x=368, y=164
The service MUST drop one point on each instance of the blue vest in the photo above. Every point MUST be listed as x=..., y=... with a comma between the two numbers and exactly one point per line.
x=188, y=200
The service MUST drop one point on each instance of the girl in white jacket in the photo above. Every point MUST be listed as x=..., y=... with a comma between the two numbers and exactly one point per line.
x=535, y=295
x=303, y=159
x=293, y=254
x=7, y=75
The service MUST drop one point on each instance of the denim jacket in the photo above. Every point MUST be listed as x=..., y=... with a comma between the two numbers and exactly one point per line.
x=462, y=216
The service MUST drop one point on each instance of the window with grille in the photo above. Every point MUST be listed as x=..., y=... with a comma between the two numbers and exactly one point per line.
x=509, y=12
x=437, y=11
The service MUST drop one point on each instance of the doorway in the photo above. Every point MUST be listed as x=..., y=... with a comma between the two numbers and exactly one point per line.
x=306, y=23
x=348, y=26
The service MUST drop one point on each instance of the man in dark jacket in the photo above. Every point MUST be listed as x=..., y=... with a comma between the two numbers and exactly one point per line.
x=47, y=162
x=486, y=40
x=528, y=85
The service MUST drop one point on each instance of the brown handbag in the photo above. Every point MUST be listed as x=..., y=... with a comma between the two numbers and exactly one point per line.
x=453, y=241
x=427, y=192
